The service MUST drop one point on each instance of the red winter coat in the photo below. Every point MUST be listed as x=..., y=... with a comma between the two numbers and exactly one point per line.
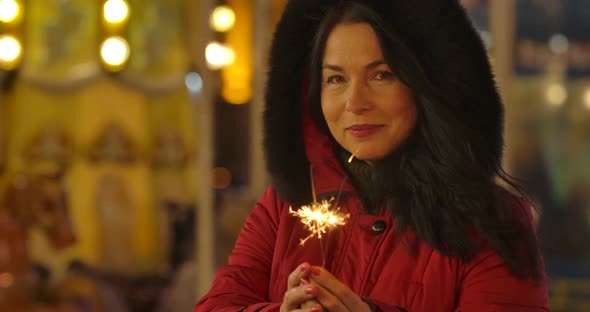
x=369, y=259
x=366, y=253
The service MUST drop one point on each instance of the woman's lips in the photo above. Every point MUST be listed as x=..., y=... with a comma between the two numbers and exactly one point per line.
x=362, y=131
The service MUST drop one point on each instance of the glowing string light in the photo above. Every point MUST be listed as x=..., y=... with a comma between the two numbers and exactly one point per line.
x=222, y=19
x=115, y=51
x=9, y=11
x=115, y=11
x=10, y=52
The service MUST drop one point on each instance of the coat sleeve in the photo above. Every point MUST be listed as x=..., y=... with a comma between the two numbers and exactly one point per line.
x=243, y=284
x=489, y=285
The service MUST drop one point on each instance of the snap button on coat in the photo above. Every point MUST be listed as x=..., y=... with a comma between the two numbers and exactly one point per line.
x=378, y=227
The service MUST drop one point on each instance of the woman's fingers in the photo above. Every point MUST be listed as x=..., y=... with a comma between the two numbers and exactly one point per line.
x=302, y=271
x=327, y=300
x=333, y=293
x=315, y=308
x=313, y=289
x=312, y=306
x=297, y=296
x=296, y=293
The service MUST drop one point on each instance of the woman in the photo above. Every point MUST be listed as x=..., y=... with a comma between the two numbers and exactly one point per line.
x=404, y=89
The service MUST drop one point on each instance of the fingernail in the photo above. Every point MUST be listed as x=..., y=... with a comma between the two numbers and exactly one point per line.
x=303, y=267
x=316, y=308
x=308, y=290
x=304, y=281
x=315, y=271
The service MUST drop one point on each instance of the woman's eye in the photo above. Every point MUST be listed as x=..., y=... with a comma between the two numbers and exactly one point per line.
x=384, y=75
x=335, y=79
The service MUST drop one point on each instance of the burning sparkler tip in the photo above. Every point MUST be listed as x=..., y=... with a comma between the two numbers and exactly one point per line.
x=352, y=156
x=318, y=218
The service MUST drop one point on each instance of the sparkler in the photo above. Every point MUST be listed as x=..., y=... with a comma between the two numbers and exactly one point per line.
x=352, y=156
x=319, y=218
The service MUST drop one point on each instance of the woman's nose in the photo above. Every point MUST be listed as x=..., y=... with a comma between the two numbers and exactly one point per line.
x=358, y=100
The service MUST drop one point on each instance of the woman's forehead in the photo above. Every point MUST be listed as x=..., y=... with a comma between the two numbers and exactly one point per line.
x=352, y=44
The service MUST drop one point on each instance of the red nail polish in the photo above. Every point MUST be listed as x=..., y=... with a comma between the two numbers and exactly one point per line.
x=316, y=308
x=308, y=290
x=315, y=271
x=302, y=267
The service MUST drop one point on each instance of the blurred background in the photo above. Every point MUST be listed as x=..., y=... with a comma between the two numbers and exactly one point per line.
x=130, y=142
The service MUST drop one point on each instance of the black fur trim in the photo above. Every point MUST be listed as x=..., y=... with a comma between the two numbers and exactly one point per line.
x=446, y=46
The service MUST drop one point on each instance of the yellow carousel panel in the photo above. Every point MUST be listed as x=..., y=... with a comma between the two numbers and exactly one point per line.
x=61, y=41
x=34, y=113
x=157, y=37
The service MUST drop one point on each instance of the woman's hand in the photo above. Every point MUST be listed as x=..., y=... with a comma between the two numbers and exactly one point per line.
x=332, y=294
x=299, y=295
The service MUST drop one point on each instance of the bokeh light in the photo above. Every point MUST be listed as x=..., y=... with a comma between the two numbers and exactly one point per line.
x=9, y=10
x=6, y=280
x=194, y=83
x=221, y=178
x=10, y=52
x=218, y=55
x=587, y=98
x=115, y=11
x=556, y=95
x=115, y=51
x=222, y=19
x=558, y=44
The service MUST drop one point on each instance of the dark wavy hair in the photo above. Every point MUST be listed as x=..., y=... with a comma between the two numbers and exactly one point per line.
x=435, y=184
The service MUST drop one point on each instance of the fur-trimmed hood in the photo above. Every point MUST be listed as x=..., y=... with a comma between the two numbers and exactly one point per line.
x=444, y=44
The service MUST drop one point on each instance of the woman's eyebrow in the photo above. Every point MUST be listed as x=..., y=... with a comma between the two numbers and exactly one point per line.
x=375, y=64
x=340, y=69
x=333, y=67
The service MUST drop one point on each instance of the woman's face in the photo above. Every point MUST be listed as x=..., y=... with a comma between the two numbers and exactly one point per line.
x=369, y=111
